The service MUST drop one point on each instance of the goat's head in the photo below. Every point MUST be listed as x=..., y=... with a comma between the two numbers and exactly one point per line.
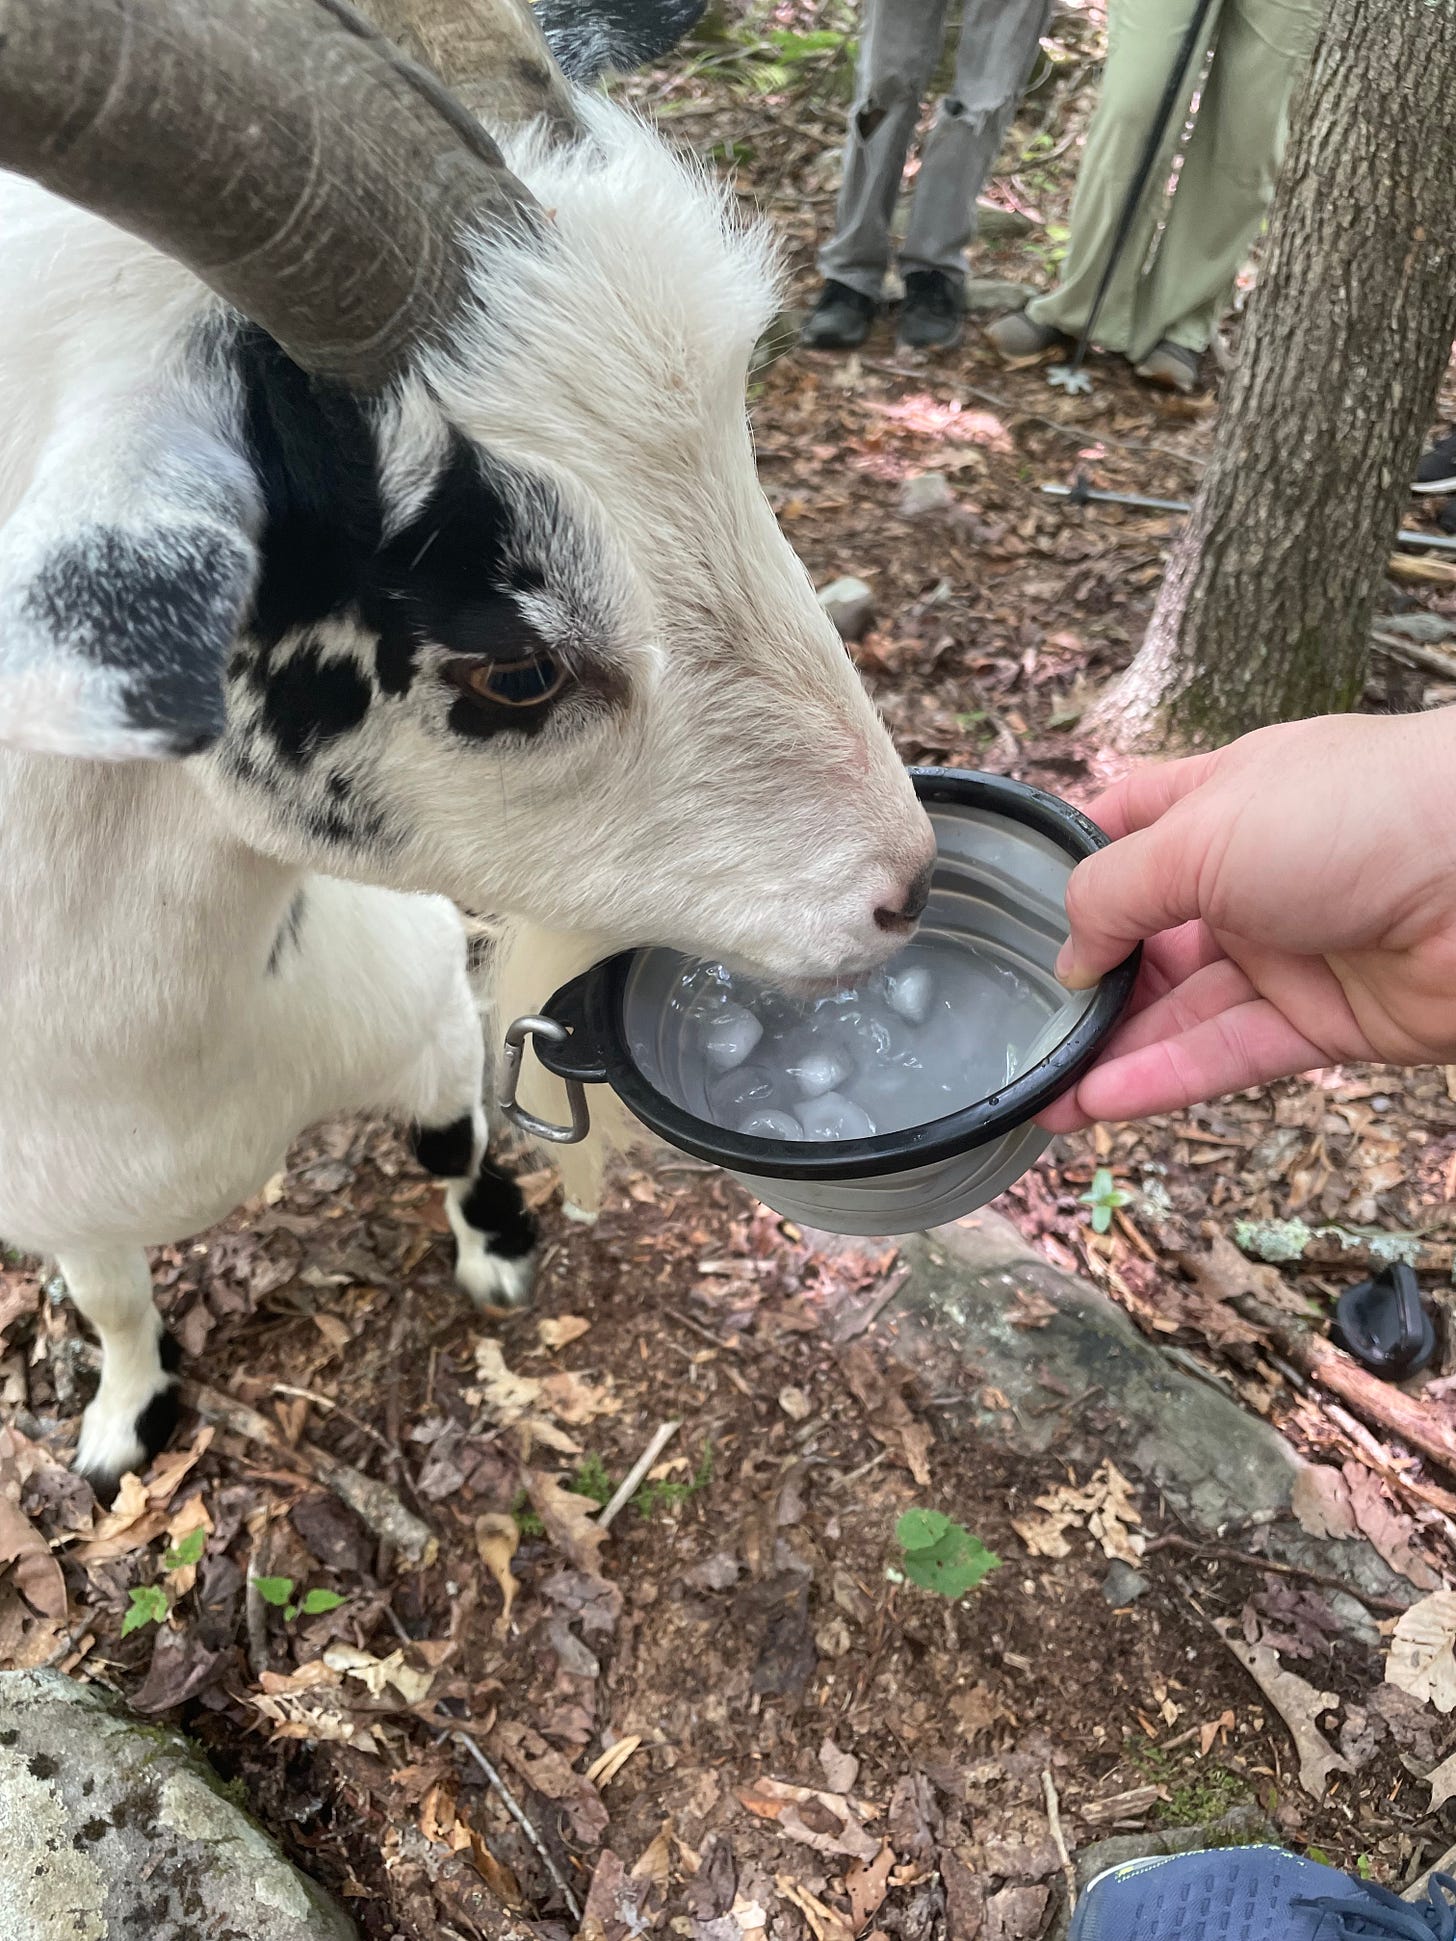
x=506, y=613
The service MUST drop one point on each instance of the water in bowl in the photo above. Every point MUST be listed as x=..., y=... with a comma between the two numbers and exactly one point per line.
x=944, y=1025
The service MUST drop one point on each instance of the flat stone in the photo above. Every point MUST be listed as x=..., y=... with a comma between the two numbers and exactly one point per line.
x=1001, y=225
x=930, y=492
x=1428, y=628
x=1216, y=1464
x=1123, y=1585
x=112, y=1828
x=993, y=296
x=850, y=605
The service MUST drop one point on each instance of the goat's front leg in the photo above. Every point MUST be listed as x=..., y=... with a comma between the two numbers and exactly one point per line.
x=135, y=1409
x=495, y=1236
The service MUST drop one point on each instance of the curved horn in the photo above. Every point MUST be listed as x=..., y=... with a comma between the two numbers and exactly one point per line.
x=284, y=150
x=490, y=52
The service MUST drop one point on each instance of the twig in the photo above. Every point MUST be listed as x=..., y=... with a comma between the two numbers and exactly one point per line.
x=694, y=1327
x=1417, y=1889
x=1219, y=1553
x=373, y=1502
x=1442, y=665
x=631, y=1482
x=507, y=1799
x=1054, y=1821
x=335, y=1408
x=254, y=1614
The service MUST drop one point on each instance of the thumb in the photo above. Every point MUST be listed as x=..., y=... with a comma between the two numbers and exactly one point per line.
x=1147, y=882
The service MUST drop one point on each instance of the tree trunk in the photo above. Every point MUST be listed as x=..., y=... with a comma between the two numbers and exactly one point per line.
x=1264, y=613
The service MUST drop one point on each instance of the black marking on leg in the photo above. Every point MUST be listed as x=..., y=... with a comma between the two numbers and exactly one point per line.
x=494, y=1207
x=158, y=1419
x=445, y=1151
x=288, y=933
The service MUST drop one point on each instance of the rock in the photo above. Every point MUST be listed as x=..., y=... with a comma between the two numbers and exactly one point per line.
x=1000, y=225
x=1122, y=1585
x=1428, y=628
x=111, y=1828
x=1245, y=1826
x=850, y=605
x=992, y=296
x=930, y=492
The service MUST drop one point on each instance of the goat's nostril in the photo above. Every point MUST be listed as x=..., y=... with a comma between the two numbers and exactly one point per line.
x=917, y=895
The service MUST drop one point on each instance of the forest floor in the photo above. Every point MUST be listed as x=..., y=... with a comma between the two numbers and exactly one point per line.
x=736, y=1712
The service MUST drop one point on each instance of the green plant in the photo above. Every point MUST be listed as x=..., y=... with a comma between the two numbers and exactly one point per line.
x=940, y=1555
x=148, y=1605
x=278, y=1591
x=592, y=1480
x=1104, y=1199
x=653, y=1497
x=186, y=1552
x=1203, y=1797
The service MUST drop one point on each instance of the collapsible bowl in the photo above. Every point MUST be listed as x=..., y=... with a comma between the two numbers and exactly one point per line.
x=1004, y=853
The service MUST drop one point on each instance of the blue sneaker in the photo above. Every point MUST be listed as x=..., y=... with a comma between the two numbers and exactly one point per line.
x=1254, y=1894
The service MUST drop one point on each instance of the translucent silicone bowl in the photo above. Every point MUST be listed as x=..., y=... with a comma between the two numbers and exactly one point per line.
x=1004, y=853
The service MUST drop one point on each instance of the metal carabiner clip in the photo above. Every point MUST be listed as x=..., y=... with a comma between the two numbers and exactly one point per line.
x=518, y=1116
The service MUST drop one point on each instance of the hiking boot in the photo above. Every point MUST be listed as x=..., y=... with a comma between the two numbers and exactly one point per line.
x=1172, y=367
x=1019, y=342
x=933, y=315
x=840, y=320
x=1436, y=472
x=1254, y=1894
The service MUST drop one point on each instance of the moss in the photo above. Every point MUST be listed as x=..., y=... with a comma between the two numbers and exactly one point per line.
x=1204, y=1797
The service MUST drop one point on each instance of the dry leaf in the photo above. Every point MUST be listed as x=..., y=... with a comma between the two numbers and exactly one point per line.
x=1442, y=1782
x=556, y=1331
x=1104, y=1506
x=497, y=1538
x=1297, y=1703
x=376, y=1673
x=1422, y=1659
x=508, y=1396
x=824, y=1923
x=826, y=1821
x=575, y=1399
x=610, y=1763
x=867, y=1886
x=570, y=1520
x=890, y=1421
x=32, y=1588
x=654, y=1863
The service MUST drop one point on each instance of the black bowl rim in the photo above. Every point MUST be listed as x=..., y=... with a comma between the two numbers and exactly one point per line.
x=597, y=1051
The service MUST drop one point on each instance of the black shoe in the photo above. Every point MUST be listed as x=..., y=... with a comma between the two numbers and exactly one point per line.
x=933, y=315
x=1436, y=472
x=840, y=320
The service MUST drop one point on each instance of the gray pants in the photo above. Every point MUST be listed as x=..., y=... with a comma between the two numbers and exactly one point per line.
x=899, y=47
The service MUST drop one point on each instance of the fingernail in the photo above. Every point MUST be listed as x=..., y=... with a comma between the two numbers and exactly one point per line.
x=1067, y=972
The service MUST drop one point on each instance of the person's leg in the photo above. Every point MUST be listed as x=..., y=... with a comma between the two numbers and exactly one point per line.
x=899, y=44
x=994, y=56
x=1144, y=39
x=1229, y=170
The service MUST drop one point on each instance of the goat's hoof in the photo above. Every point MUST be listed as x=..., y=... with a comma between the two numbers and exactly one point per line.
x=491, y=1280
x=123, y=1433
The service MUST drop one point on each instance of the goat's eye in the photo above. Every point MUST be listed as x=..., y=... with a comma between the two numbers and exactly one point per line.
x=527, y=683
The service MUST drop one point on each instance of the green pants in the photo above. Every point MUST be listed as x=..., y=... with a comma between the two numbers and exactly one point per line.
x=1179, y=285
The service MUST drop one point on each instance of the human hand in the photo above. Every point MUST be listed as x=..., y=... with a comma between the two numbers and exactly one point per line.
x=1296, y=894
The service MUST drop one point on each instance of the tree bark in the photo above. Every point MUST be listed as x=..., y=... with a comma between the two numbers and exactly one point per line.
x=1264, y=613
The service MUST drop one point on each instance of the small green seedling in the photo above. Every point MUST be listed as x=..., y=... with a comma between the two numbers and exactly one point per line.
x=278, y=1591
x=186, y=1552
x=940, y=1555
x=148, y=1606
x=1104, y=1199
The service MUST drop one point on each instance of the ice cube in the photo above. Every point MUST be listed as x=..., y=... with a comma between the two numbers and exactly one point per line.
x=909, y=992
x=818, y=1072
x=740, y=1091
x=730, y=1037
x=832, y=1116
x=771, y=1125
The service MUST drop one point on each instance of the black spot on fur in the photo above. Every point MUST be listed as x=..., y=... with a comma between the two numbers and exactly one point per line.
x=445, y=1151
x=310, y=700
x=169, y=1352
x=161, y=608
x=42, y=1766
x=494, y=1207
x=288, y=932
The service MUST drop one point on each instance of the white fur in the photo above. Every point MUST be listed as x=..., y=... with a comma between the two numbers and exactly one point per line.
x=742, y=801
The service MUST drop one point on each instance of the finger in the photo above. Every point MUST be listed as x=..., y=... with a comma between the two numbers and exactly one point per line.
x=1146, y=883
x=1252, y=1044
x=1140, y=798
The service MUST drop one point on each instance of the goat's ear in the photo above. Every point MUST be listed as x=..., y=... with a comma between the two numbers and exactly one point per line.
x=588, y=37
x=114, y=638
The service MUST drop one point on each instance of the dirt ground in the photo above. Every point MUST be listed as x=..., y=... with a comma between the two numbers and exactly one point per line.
x=736, y=1712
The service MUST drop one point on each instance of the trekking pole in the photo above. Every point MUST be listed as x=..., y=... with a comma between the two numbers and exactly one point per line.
x=1080, y=493
x=1071, y=377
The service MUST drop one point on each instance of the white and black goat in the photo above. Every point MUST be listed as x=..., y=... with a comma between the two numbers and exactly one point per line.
x=379, y=532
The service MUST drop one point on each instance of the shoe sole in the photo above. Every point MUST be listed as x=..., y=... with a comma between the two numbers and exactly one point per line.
x=1166, y=381
x=1027, y=360
x=945, y=343
x=1435, y=488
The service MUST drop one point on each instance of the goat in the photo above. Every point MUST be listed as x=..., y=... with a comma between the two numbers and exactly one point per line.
x=379, y=534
